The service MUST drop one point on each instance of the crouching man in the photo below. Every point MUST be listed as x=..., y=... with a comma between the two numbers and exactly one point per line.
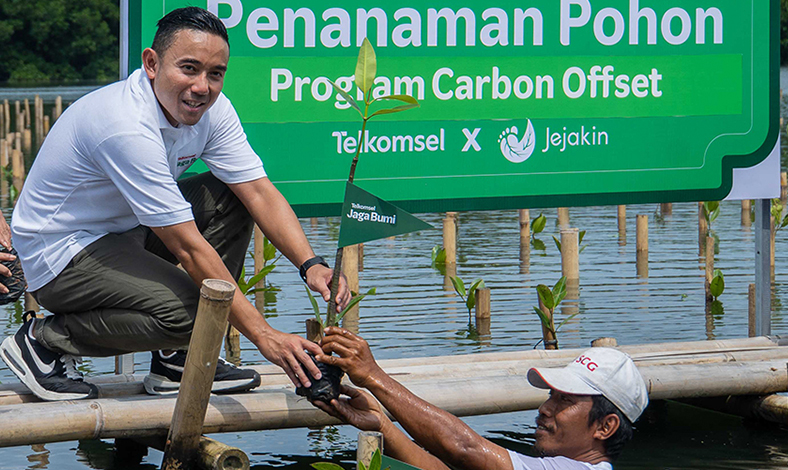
x=583, y=425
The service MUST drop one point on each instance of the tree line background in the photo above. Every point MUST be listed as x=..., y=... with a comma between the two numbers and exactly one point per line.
x=61, y=41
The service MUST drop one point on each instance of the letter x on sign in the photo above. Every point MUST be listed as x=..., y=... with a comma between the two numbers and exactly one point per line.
x=471, y=139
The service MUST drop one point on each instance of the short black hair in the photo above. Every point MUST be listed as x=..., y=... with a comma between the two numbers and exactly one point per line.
x=194, y=18
x=602, y=407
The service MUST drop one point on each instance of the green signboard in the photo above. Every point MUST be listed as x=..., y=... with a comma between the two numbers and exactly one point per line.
x=530, y=103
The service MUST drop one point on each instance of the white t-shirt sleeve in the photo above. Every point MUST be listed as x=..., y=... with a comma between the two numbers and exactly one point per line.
x=227, y=152
x=137, y=165
x=524, y=462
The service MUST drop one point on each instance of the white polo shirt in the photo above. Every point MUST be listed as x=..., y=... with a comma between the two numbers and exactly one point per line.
x=524, y=462
x=110, y=163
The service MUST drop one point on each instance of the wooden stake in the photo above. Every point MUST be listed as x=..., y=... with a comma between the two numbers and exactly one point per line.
x=563, y=217
x=313, y=331
x=703, y=227
x=525, y=240
x=20, y=120
x=709, y=267
x=360, y=257
x=3, y=153
x=7, y=113
x=783, y=186
x=27, y=141
x=482, y=304
x=18, y=170
x=350, y=270
x=751, y=310
x=2, y=123
x=259, y=263
x=27, y=114
x=641, y=258
x=211, y=455
x=604, y=342
x=450, y=239
x=58, y=109
x=183, y=441
x=368, y=443
x=771, y=241
x=46, y=126
x=746, y=212
x=569, y=254
x=550, y=341
x=622, y=222
x=666, y=208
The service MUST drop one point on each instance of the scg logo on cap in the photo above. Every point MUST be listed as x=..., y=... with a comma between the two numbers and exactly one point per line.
x=586, y=361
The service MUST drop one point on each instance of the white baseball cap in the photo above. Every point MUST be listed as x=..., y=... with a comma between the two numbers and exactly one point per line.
x=598, y=371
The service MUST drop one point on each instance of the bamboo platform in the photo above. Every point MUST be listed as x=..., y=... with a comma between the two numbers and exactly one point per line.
x=473, y=384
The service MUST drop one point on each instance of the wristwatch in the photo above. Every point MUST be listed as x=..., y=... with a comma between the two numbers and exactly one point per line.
x=309, y=263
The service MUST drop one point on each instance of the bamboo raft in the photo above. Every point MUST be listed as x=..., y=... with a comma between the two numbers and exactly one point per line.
x=473, y=384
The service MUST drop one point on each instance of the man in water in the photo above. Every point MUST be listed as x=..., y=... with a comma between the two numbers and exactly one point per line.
x=103, y=223
x=583, y=425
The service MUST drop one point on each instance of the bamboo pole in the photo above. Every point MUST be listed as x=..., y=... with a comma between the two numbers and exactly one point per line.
x=563, y=217
x=20, y=120
x=368, y=443
x=709, y=267
x=703, y=226
x=46, y=126
x=746, y=210
x=7, y=113
x=751, y=310
x=27, y=141
x=58, y=109
x=641, y=258
x=27, y=114
x=783, y=186
x=276, y=409
x=211, y=454
x=570, y=266
x=350, y=270
x=18, y=170
x=622, y=224
x=2, y=123
x=524, y=216
x=259, y=263
x=187, y=419
x=550, y=341
x=666, y=208
x=604, y=343
x=450, y=239
x=772, y=233
x=483, y=312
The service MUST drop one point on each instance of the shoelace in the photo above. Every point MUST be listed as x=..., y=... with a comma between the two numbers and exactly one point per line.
x=71, y=366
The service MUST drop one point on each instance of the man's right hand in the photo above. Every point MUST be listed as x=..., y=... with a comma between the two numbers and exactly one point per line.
x=359, y=409
x=287, y=351
x=353, y=356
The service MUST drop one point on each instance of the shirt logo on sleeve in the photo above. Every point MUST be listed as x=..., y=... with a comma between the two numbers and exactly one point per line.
x=187, y=160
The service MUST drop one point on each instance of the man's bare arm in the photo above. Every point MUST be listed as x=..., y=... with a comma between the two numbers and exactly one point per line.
x=201, y=261
x=273, y=214
x=439, y=432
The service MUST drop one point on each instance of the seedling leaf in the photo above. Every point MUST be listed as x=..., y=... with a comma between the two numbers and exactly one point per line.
x=717, y=286
x=376, y=461
x=260, y=275
x=580, y=236
x=366, y=67
x=546, y=296
x=559, y=291
x=315, y=307
x=269, y=250
x=438, y=255
x=567, y=319
x=355, y=300
x=326, y=466
x=394, y=110
x=539, y=224
x=538, y=244
x=347, y=97
x=477, y=284
x=459, y=286
x=404, y=98
x=544, y=319
x=557, y=243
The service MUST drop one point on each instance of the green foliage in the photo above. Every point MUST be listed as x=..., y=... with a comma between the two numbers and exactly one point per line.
x=711, y=210
x=580, y=237
x=468, y=296
x=551, y=299
x=783, y=31
x=59, y=40
x=354, y=300
x=717, y=285
x=780, y=220
x=374, y=464
x=438, y=256
x=538, y=225
x=269, y=253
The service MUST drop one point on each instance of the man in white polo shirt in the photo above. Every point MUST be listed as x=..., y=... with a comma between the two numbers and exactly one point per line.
x=582, y=426
x=102, y=223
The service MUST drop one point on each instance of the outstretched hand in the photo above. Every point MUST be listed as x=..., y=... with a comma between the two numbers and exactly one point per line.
x=318, y=278
x=359, y=408
x=353, y=355
x=288, y=352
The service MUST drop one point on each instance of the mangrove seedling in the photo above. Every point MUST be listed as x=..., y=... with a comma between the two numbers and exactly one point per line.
x=364, y=78
x=711, y=210
x=374, y=464
x=780, y=220
x=536, y=227
x=246, y=286
x=550, y=299
x=580, y=236
x=439, y=259
x=327, y=387
x=468, y=296
x=717, y=285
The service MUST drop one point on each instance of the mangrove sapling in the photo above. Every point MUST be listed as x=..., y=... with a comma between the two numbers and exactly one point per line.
x=327, y=387
x=438, y=257
x=717, y=284
x=780, y=220
x=580, y=236
x=711, y=210
x=549, y=300
x=364, y=78
x=536, y=227
x=468, y=296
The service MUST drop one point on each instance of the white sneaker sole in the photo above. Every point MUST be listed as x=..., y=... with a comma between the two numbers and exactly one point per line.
x=12, y=356
x=159, y=385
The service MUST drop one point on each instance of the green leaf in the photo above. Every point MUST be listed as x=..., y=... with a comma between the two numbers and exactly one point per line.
x=376, y=461
x=404, y=98
x=784, y=222
x=717, y=286
x=260, y=275
x=546, y=295
x=396, y=109
x=438, y=255
x=459, y=286
x=538, y=225
x=714, y=214
x=269, y=250
x=347, y=97
x=559, y=291
x=544, y=319
x=366, y=67
x=326, y=466
x=353, y=301
x=557, y=243
x=315, y=307
x=471, y=302
x=580, y=236
x=538, y=244
x=716, y=273
x=242, y=285
x=567, y=319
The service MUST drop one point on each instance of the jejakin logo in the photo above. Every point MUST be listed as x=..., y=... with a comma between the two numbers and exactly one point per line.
x=514, y=148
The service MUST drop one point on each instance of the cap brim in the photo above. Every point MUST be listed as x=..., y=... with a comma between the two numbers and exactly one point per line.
x=562, y=380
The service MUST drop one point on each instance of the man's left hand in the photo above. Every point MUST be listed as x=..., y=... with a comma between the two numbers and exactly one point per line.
x=318, y=278
x=359, y=410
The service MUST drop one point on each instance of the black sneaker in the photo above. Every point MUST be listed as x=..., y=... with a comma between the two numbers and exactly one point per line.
x=166, y=373
x=49, y=375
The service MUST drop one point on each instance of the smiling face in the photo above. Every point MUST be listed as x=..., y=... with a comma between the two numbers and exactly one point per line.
x=563, y=429
x=188, y=76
